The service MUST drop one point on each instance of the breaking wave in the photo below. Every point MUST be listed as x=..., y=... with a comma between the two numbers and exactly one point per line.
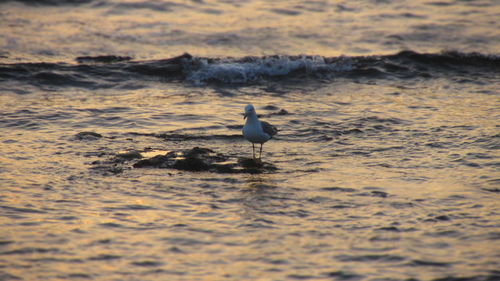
x=114, y=71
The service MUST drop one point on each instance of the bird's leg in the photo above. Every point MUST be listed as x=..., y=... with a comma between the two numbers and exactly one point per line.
x=260, y=153
x=253, y=150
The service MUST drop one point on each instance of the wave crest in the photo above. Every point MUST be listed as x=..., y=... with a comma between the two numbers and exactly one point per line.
x=114, y=71
x=254, y=69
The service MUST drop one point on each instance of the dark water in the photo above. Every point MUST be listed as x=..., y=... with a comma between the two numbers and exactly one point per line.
x=386, y=165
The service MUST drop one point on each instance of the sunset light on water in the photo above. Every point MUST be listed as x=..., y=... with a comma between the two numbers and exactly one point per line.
x=122, y=155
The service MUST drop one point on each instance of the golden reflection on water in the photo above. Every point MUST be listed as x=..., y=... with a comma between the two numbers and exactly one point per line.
x=47, y=172
x=249, y=28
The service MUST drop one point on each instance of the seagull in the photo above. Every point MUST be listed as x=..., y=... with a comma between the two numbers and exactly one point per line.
x=256, y=131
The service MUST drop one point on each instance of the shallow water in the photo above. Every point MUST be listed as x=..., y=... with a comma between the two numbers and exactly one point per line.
x=387, y=161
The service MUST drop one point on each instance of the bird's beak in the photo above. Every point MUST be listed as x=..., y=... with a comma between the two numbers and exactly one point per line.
x=245, y=116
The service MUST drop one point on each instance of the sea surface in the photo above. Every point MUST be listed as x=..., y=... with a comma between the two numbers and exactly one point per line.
x=386, y=165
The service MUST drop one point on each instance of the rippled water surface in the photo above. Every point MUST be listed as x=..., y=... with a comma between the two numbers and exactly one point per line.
x=387, y=151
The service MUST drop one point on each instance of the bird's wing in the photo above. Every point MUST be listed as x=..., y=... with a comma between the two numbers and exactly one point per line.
x=268, y=128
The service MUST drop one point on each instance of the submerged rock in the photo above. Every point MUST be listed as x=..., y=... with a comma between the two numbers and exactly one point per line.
x=158, y=161
x=255, y=166
x=197, y=159
x=88, y=136
x=204, y=160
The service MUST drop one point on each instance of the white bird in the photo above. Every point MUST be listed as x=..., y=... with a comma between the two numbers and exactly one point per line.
x=256, y=131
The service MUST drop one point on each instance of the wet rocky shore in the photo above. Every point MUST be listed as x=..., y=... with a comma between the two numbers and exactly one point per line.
x=196, y=159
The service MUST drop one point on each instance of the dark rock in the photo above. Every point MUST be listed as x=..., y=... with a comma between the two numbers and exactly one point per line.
x=201, y=159
x=191, y=163
x=250, y=163
x=254, y=166
x=158, y=161
x=129, y=155
x=196, y=151
x=88, y=136
x=197, y=159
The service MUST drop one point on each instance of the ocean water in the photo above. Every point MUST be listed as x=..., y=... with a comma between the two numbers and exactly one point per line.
x=385, y=166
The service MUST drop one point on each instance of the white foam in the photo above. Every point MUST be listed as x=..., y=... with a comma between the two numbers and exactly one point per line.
x=230, y=71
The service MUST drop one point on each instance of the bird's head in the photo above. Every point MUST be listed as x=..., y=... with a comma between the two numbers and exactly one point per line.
x=249, y=109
